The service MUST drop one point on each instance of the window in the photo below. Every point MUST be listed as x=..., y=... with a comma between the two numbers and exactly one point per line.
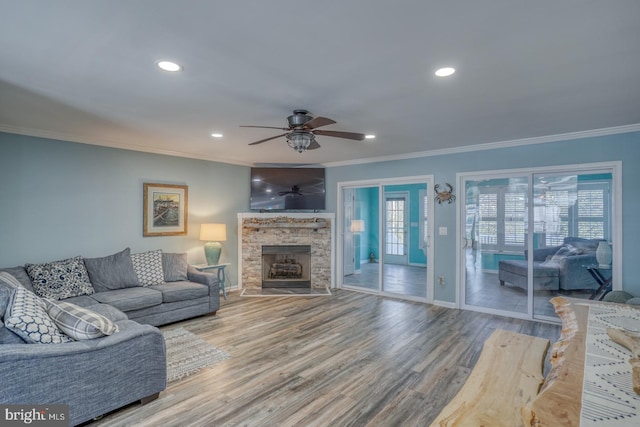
x=502, y=215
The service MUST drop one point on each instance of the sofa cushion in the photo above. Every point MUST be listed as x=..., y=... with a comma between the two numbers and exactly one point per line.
x=7, y=336
x=520, y=267
x=20, y=273
x=130, y=298
x=148, y=267
x=60, y=279
x=112, y=272
x=180, y=291
x=175, y=267
x=27, y=316
x=79, y=323
x=108, y=311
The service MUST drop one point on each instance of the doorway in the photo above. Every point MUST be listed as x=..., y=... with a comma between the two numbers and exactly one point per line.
x=385, y=238
x=527, y=236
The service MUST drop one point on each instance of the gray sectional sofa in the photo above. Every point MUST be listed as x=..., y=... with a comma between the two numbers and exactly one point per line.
x=554, y=268
x=100, y=375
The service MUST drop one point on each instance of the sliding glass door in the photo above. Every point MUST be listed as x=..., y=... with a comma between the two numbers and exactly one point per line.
x=527, y=237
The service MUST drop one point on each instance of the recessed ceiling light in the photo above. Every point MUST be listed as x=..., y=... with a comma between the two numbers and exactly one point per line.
x=445, y=72
x=217, y=135
x=169, y=66
x=370, y=136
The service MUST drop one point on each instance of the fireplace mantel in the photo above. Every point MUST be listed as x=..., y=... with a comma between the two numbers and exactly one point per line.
x=285, y=222
x=257, y=229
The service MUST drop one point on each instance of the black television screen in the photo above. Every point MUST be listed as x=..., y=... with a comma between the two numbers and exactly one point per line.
x=287, y=189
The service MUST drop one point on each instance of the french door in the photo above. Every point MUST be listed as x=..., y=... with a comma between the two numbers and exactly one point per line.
x=529, y=236
x=395, y=227
x=385, y=237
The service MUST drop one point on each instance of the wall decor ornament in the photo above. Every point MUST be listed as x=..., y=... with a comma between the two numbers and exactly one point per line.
x=444, y=196
x=165, y=210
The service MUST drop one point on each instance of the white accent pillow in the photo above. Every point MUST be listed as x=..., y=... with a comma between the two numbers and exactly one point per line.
x=148, y=267
x=27, y=316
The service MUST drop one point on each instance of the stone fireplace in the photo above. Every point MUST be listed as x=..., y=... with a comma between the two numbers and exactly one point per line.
x=285, y=250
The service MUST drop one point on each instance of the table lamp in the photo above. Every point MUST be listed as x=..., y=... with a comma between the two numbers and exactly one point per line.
x=357, y=226
x=213, y=234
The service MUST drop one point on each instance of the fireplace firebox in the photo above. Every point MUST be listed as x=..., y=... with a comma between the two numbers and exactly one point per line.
x=286, y=266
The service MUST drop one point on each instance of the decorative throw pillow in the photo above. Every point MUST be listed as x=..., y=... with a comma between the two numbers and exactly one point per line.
x=60, y=279
x=112, y=272
x=78, y=322
x=8, y=284
x=565, y=251
x=148, y=267
x=28, y=318
x=175, y=267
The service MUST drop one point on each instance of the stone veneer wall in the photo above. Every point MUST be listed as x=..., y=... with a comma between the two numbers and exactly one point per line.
x=319, y=239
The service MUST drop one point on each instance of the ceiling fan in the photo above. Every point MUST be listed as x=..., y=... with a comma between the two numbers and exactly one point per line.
x=302, y=131
x=295, y=191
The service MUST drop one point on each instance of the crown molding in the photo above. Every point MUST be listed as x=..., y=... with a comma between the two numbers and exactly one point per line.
x=493, y=145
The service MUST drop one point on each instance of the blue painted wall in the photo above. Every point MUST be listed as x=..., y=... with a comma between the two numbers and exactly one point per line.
x=367, y=202
x=61, y=199
x=623, y=147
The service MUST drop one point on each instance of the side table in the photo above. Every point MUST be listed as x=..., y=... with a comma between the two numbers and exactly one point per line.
x=222, y=275
x=604, y=283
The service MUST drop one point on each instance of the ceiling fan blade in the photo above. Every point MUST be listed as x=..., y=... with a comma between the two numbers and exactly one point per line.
x=338, y=134
x=267, y=139
x=317, y=122
x=264, y=127
x=314, y=145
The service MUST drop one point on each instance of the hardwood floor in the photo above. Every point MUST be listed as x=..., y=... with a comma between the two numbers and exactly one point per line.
x=350, y=359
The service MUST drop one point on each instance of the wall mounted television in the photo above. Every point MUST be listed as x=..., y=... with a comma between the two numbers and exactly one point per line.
x=287, y=189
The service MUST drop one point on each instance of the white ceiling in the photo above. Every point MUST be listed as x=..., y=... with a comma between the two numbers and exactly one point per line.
x=85, y=71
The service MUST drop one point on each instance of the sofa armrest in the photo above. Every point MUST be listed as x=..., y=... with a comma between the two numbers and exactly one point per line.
x=574, y=274
x=93, y=377
x=209, y=279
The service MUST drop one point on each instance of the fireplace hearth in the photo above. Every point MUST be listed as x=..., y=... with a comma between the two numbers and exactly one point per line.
x=286, y=266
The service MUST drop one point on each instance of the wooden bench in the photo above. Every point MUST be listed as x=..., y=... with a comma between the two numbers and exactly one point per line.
x=507, y=377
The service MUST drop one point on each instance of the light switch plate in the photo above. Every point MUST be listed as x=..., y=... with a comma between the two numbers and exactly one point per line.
x=442, y=231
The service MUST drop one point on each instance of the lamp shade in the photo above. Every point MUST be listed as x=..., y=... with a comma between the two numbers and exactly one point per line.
x=357, y=226
x=213, y=232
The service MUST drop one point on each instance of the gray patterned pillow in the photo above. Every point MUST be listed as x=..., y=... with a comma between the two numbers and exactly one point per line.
x=148, y=267
x=78, y=322
x=28, y=318
x=60, y=279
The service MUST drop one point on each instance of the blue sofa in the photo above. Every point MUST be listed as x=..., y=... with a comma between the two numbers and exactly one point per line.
x=554, y=268
x=97, y=376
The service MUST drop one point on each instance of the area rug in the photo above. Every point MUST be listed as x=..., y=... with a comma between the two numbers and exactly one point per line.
x=187, y=354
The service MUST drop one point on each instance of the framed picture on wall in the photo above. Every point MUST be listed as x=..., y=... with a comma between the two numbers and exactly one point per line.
x=165, y=210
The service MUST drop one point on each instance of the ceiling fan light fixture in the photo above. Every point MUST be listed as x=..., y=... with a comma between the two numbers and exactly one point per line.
x=299, y=141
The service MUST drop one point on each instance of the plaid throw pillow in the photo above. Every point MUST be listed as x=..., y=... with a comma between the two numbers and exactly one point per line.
x=78, y=322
